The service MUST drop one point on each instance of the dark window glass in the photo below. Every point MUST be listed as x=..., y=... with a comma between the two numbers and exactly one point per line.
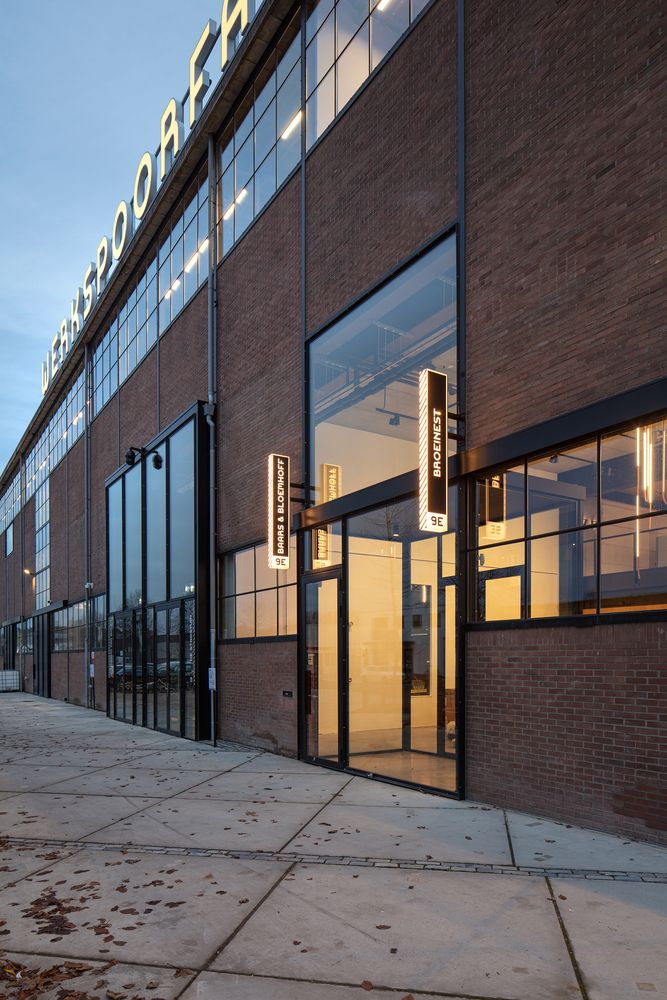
x=115, y=545
x=133, y=564
x=182, y=512
x=9, y=540
x=156, y=529
x=364, y=373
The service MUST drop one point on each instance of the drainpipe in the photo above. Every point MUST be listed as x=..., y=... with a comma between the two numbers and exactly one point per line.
x=209, y=410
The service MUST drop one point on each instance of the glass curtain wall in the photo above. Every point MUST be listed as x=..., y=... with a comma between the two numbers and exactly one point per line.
x=152, y=630
x=379, y=599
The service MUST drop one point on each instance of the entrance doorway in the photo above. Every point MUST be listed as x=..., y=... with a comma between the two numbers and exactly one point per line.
x=379, y=649
x=42, y=656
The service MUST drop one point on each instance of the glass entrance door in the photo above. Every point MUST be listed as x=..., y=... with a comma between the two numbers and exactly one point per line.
x=322, y=620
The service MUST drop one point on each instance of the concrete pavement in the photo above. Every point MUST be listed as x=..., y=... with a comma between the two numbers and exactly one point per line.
x=134, y=865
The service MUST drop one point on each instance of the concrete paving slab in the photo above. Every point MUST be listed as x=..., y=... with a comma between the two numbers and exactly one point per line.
x=124, y=780
x=17, y=861
x=557, y=845
x=619, y=934
x=44, y=815
x=269, y=787
x=231, y=986
x=84, y=757
x=195, y=760
x=270, y=763
x=364, y=792
x=485, y=935
x=28, y=777
x=131, y=907
x=55, y=977
x=215, y=824
x=424, y=834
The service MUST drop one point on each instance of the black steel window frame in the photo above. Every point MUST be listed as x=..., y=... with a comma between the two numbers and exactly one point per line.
x=614, y=407
x=222, y=595
x=201, y=519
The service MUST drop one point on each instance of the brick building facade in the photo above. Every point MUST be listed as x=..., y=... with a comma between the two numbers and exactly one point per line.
x=368, y=192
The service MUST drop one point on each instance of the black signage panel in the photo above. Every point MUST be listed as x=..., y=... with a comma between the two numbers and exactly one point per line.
x=279, y=511
x=433, y=481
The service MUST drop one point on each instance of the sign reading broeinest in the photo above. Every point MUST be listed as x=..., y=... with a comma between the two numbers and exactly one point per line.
x=433, y=480
x=234, y=20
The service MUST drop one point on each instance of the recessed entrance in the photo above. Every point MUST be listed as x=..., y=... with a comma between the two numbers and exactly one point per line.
x=379, y=652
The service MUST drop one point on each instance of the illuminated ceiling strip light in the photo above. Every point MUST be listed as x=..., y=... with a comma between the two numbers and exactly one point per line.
x=297, y=118
x=191, y=263
x=383, y=4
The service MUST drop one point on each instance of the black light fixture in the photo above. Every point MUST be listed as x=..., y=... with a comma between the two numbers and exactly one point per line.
x=133, y=454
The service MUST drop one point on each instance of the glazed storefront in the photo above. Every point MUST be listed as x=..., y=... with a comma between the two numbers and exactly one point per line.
x=380, y=599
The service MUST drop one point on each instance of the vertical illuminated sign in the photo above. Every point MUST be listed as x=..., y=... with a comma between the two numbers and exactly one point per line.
x=279, y=511
x=331, y=487
x=432, y=450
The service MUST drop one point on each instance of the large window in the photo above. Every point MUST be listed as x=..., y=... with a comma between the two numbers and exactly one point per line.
x=575, y=532
x=9, y=539
x=183, y=253
x=262, y=145
x=168, y=472
x=364, y=373
x=42, y=547
x=257, y=602
x=346, y=40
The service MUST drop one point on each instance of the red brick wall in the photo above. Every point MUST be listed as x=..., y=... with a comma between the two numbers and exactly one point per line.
x=104, y=459
x=184, y=359
x=138, y=406
x=566, y=206
x=570, y=723
x=76, y=557
x=384, y=179
x=29, y=556
x=251, y=706
x=59, y=676
x=259, y=364
x=58, y=532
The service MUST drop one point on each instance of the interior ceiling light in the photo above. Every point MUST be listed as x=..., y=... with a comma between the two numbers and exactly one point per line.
x=383, y=4
x=297, y=117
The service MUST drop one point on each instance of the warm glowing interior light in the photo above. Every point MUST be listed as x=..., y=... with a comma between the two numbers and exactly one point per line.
x=383, y=4
x=167, y=294
x=175, y=284
x=203, y=246
x=191, y=263
x=230, y=211
x=295, y=121
x=27, y=572
x=241, y=196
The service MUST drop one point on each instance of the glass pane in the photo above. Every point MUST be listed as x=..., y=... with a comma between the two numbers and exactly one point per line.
x=287, y=610
x=317, y=14
x=364, y=373
x=150, y=669
x=563, y=575
x=115, y=545
x=288, y=151
x=244, y=165
x=402, y=650
x=138, y=669
x=633, y=565
x=245, y=616
x=175, y=670
x=324, y=546
x=265, y=181
x=320, y=54
x=500, y=572
x=265, y=133
x=562, y=490
x=162, y=675
x=182, y=511
x=321, y=700
x=267, y=612
x=244, y=572
x=288, y=101
x=321, y=108
x=228, y=618
x=352, y=67
x=189, y=665
x=499, y=506
x=388, y=22
x=156, y=528
x=245, y=205
x=633, y=476
x=264, y=577
x=350, y=15
x=133, y=566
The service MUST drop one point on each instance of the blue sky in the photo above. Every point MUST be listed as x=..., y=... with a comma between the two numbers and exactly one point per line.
x=82, y=88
